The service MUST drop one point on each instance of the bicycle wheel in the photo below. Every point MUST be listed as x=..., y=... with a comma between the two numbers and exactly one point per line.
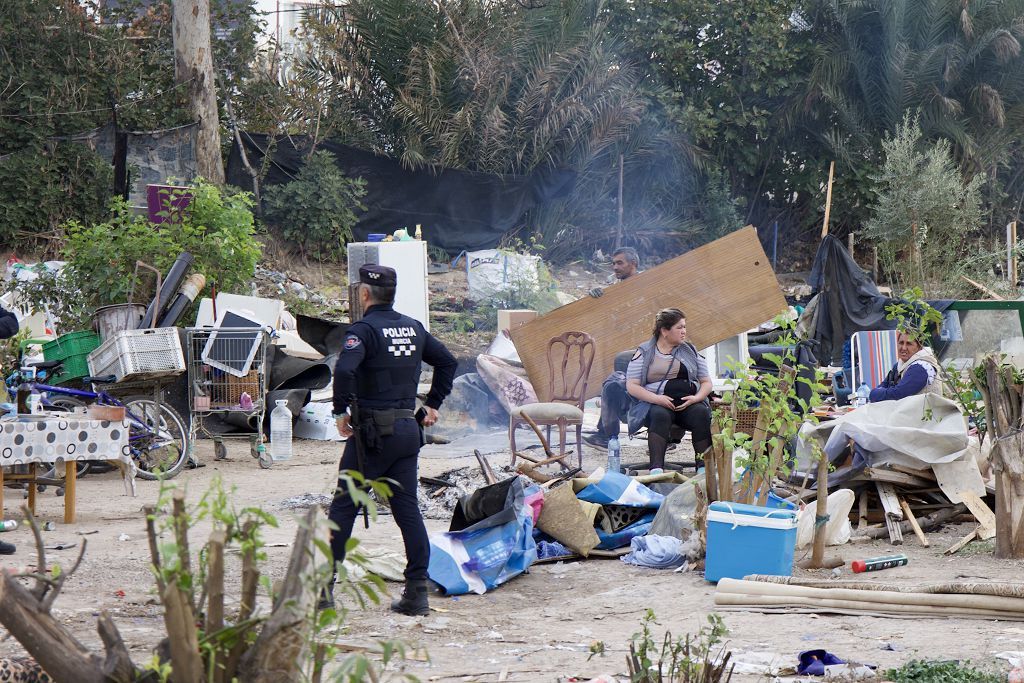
x=158, y=438
x=68, y=404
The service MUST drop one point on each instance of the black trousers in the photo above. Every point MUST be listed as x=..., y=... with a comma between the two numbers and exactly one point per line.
x=696, y=419
x=614, y=408
x=397, y=460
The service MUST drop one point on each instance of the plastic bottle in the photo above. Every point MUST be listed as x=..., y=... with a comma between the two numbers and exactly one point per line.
x=281, y=432
x=863, y=394
x=876, y=563
x=419, y=232
x=9, y=525
x=614, y=455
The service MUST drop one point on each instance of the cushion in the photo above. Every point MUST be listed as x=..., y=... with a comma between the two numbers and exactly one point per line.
x=549, y=411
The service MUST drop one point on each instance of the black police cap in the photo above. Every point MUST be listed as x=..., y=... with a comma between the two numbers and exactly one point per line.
x=380, y=276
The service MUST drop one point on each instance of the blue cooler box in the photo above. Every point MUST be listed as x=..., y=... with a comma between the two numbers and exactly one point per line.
x=749, y=539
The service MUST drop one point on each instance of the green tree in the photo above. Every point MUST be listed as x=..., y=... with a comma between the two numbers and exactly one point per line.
x=317, y=210
x=924, y=209
x=498, y=88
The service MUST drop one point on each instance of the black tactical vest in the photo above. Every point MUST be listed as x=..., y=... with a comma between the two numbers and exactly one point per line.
x=389, y=376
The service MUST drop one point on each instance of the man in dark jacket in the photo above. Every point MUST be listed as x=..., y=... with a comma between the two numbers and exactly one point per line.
x=8, y=324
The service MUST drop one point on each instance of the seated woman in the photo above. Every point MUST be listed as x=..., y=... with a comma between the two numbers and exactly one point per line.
x=916, y=372
x=669, y=384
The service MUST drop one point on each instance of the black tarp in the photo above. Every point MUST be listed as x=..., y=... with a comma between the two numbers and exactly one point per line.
x=848, y=300
x=457, y=209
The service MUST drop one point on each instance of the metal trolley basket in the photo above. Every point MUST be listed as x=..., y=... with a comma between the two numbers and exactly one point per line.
x=227, y=378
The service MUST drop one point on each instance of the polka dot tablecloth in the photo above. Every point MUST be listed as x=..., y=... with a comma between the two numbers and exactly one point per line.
x=53, y=439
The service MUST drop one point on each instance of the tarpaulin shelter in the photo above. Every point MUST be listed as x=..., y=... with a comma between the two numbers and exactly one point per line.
x=459, y=210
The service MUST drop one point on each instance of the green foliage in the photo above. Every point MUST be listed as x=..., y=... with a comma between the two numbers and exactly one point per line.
x=963, y=389
x=930, y=671
x=694, y=658
x=318, y=209
x=217, y=229
x=924, y=209
x=914, y=316
x=42, y=187
x=773, y=395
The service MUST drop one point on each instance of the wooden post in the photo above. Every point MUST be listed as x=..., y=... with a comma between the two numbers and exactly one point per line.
x=1003, y=407
x=828, y=199
x=618, y=234
x=193, y=69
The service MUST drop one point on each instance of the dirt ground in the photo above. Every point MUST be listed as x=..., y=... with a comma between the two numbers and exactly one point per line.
x=538, y=627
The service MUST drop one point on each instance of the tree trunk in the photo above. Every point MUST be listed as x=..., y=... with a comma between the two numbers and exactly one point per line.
x=59, y=654
x=193, y=69
x=1003, y=407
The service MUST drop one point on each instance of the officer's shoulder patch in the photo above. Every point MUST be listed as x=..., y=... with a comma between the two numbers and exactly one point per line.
x=352, y=341
x=637, y=356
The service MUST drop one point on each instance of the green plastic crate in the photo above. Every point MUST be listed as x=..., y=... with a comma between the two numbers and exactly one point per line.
x=73, y=348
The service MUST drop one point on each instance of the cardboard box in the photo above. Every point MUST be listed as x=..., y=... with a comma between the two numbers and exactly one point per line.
x=509, y=319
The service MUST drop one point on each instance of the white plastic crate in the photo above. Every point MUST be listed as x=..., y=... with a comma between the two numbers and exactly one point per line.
x=139, y=354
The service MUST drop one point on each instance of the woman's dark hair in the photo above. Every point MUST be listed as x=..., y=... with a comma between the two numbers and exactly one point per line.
x=666, y=319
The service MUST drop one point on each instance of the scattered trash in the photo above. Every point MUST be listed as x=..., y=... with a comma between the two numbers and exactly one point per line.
x=49, y=526
x=9, y=525
x=305, y=501
x=124, y=537
x=63, y=545
x=88, y=533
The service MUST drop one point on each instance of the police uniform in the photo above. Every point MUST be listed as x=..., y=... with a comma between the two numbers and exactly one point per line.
x=380, y=365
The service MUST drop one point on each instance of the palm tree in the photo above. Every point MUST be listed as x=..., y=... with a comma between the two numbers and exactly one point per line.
x=956, y=63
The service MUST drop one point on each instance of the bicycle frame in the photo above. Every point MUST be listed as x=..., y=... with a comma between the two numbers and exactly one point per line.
x=103, y=398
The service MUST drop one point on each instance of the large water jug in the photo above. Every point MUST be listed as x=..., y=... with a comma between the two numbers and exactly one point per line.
x=281, y=432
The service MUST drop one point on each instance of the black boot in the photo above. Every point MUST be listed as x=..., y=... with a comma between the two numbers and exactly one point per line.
x=413, y=602
x=326, y=597
x=6, y=548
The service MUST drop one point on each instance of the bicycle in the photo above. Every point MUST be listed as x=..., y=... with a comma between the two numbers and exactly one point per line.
x=157, y=436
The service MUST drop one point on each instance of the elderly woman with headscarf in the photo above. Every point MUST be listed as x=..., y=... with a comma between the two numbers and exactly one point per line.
x=669, y=384
x=917, y=371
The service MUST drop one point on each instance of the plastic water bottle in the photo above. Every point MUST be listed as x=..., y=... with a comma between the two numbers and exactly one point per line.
x=614, y=455
x=281, y=432
x=863, y=394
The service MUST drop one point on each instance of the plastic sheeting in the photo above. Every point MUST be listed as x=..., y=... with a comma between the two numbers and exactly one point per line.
x=915, y=432
x=459, y=210
x=657, y=552
x=618, y=489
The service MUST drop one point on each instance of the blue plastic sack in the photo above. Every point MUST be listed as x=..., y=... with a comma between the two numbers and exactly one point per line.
x=622, y=537
x=616, y=488
x=488, y=553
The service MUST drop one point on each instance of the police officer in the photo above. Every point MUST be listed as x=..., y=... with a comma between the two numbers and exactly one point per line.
x=379, y=365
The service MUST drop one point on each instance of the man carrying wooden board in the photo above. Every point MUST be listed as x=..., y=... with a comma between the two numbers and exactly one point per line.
x=614, y=399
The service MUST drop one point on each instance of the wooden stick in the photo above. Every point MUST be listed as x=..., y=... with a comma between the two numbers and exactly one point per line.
x=828, y=199
x=862, y=522
x=485, y=467
x=981, y=287
x=215, y=581
x=543, y=441
x=956, y=547
x=818, y=552
x=913, y=523
x=179, y=517
x=935, y=519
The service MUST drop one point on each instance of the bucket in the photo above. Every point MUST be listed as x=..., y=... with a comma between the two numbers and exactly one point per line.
x=109, y=320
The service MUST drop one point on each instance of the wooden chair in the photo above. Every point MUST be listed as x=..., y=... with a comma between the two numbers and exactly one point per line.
x=569, y=359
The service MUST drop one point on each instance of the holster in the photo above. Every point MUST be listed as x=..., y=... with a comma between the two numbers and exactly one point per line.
x=377, y=424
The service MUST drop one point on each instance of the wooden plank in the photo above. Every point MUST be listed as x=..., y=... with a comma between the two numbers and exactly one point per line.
x=893, y=512
x=893, y=477
x=862, y=521
x=962, y=542
x=986, y=518
x=922, y=474
x=725, y=287
x=913, y=523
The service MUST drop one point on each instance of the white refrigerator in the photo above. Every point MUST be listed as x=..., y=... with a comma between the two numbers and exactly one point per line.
x=409, y=259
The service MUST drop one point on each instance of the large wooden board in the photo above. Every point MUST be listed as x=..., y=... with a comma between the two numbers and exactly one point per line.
x=725, y=287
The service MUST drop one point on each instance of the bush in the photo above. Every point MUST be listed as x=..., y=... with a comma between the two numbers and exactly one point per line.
x=217, y=230
x=317, y=210
x=43, y=188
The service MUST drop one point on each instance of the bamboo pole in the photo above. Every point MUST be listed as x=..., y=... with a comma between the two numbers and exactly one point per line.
x=828, y=199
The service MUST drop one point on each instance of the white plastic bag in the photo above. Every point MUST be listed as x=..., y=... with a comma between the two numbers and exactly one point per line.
x=492, y=272
x=837, y=529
